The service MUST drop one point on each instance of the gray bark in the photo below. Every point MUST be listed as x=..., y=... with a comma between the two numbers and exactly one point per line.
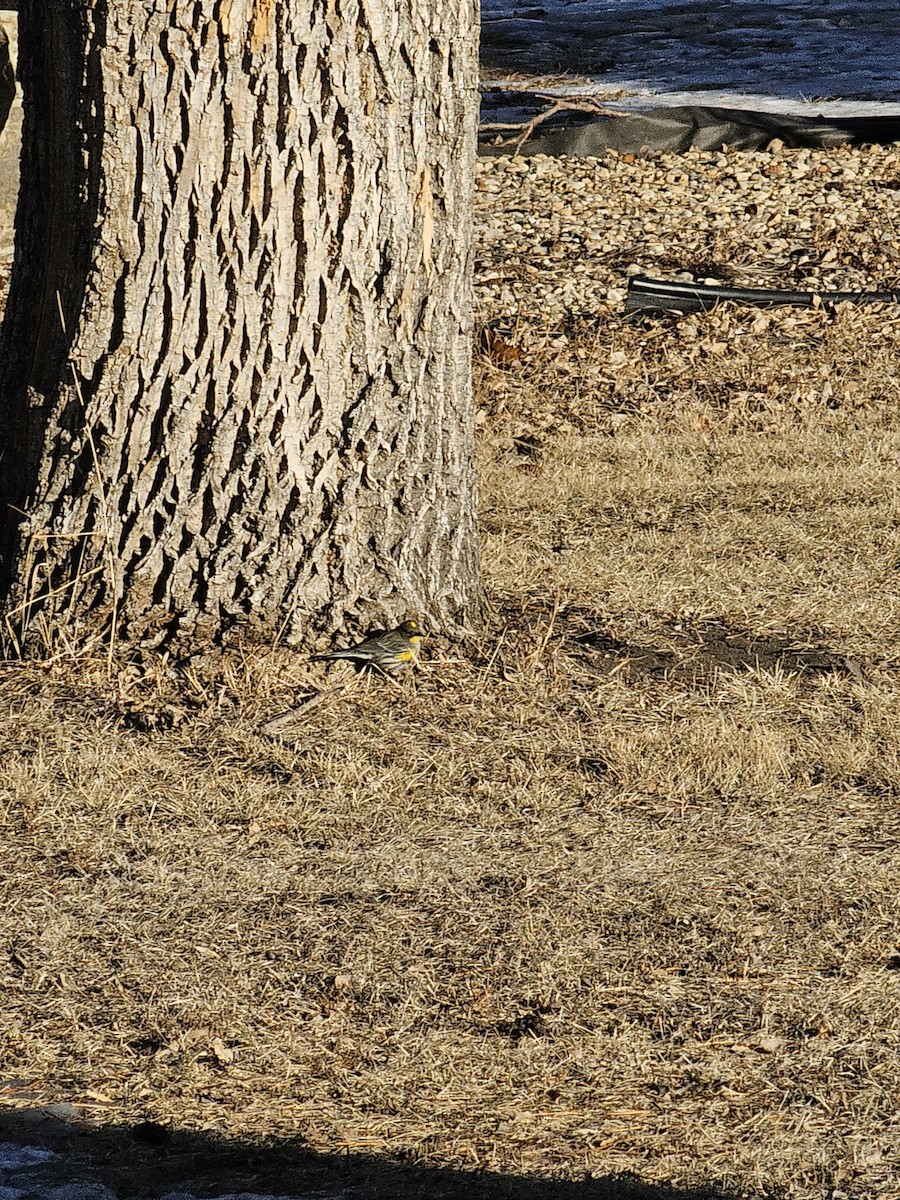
x=236, y=359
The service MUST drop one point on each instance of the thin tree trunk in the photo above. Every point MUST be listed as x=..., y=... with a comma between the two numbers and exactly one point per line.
x=236, y=359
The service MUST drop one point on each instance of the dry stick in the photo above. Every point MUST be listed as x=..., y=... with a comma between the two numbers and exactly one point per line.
x=276, y=723
x=54, y=591
x=27, y=602
x=57, y=590
x=281, y=719
x=558, y=105
x=549, y=632
x=496, y=652
x=29, y=554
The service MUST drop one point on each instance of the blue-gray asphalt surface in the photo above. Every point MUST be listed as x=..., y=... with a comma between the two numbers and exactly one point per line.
x=802, y=50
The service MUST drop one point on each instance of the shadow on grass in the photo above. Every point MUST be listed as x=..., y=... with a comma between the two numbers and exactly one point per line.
x=149, y=1161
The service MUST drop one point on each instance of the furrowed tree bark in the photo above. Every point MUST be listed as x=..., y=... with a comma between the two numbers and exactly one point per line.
x=235, y=380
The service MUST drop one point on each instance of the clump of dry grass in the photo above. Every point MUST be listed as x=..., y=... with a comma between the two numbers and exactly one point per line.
x=580, y=897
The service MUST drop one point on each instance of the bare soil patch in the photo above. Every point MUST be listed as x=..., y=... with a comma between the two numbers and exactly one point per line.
x=700, y=653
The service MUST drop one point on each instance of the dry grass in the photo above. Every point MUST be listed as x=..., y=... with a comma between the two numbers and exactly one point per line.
x=581, y=897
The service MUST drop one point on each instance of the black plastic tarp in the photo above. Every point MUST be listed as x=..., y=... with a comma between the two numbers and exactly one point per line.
x=680, y=128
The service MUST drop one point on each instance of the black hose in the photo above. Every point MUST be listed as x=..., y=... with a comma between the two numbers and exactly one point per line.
x=658, y=295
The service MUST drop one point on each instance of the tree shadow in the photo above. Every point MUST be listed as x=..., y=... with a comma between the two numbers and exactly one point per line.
x=57, y=210
x=149, y=1161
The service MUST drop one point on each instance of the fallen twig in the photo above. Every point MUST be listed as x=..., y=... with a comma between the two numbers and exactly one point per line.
x=558, y=104
x=278, y=722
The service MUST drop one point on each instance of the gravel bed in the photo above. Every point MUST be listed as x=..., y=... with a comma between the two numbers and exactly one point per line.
x=559, y=236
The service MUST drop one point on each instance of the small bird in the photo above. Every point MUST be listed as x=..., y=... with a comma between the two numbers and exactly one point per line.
x=386, y=650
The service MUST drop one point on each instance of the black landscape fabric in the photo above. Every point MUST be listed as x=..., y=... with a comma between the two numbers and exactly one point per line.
x=675, y=129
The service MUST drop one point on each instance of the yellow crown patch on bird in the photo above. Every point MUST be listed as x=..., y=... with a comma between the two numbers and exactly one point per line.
x=385, y=650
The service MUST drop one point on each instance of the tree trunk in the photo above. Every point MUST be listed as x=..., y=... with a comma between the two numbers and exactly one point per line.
x=236, y=358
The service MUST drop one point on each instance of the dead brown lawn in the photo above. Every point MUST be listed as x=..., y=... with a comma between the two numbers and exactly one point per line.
x=581, y=896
